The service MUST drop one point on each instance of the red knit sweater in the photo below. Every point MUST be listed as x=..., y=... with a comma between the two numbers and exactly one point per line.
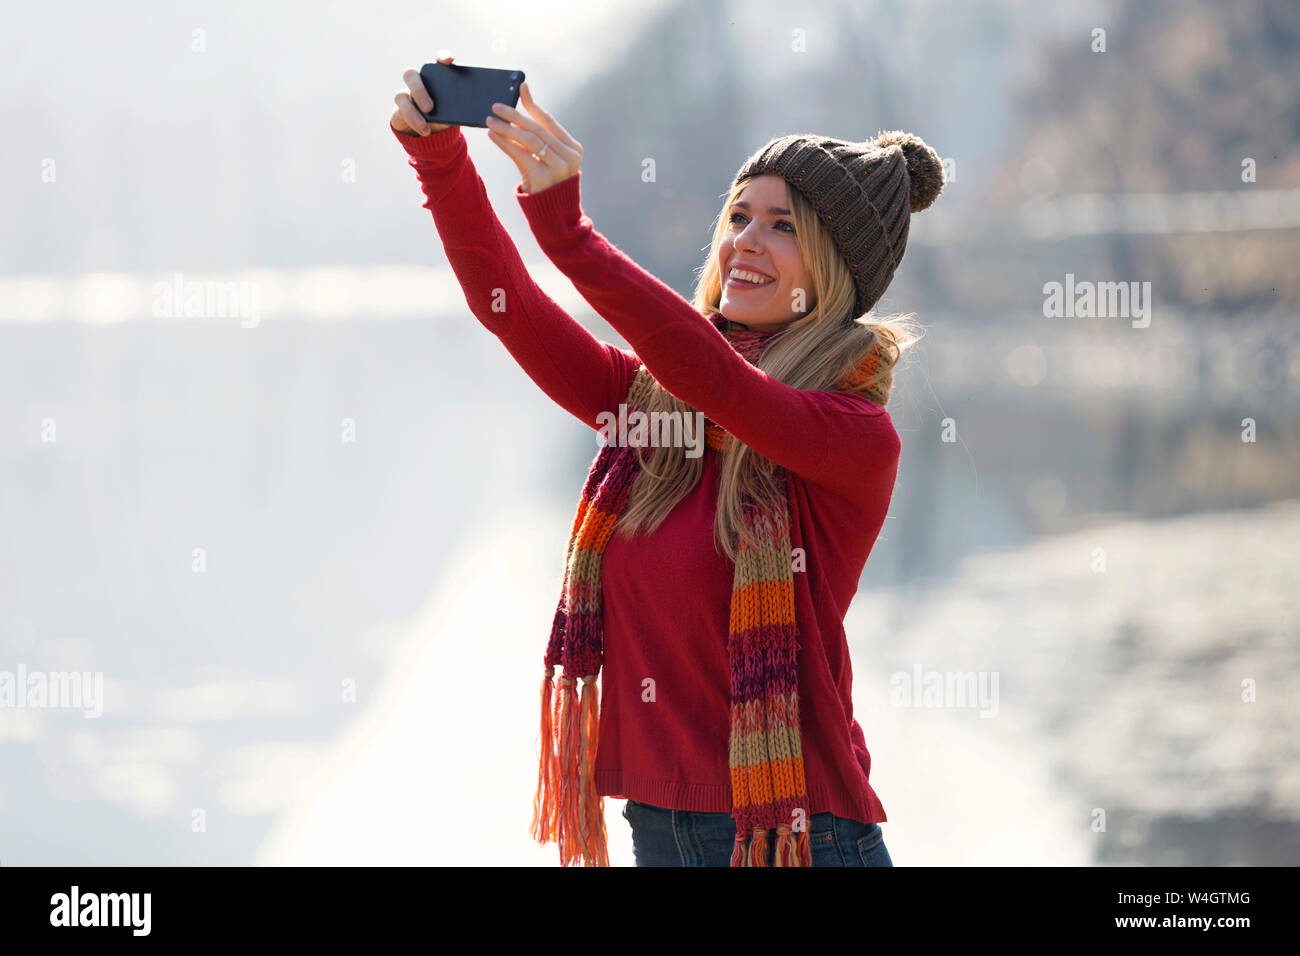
x=666, y=596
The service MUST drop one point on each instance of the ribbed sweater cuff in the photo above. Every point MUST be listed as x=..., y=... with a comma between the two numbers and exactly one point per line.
x=437, y=145
x=554, y=209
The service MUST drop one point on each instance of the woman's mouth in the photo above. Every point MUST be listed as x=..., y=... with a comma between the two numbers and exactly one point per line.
x=738, y=281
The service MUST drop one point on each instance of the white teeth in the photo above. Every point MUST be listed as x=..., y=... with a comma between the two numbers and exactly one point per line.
x=753, y=277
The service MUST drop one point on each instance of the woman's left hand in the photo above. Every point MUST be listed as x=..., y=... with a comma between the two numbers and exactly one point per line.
x=542, y=149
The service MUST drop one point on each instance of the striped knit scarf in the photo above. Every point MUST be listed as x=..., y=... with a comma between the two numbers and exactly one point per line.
x=769, y=792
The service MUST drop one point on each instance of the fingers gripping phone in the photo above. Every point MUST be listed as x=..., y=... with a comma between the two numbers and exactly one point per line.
x=463, y=95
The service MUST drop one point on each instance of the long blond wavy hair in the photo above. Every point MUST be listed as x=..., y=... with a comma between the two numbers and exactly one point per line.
x=812, y=352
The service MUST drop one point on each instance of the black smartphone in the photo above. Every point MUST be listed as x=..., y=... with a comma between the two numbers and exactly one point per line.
x=463, y=95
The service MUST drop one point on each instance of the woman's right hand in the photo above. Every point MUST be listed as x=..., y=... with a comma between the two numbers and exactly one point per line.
x=406, y=118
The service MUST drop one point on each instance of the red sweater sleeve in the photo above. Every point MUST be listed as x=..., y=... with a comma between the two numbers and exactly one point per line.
x=580, y=373
x=839, y=440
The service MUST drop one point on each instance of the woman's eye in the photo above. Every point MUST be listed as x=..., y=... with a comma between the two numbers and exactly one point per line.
x=779, y=222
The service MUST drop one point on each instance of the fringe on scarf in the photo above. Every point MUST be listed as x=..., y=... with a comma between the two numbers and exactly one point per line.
x=543, y=825
x=567, y=810
x=792, y=849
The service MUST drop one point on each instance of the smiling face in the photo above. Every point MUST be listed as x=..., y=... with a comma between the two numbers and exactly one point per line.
x=759, y=237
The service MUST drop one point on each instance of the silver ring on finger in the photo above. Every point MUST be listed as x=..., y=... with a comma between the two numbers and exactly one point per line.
x=542, y=152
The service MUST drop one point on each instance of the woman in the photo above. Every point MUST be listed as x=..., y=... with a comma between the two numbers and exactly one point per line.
x=710, y=588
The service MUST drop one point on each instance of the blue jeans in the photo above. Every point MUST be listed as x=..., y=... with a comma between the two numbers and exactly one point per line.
x=685, y=838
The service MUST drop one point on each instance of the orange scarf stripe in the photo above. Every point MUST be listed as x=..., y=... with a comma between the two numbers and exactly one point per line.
x=583, y=505
x=869, y=368
x=754, y=786
x=764, y=602
x=595, y=532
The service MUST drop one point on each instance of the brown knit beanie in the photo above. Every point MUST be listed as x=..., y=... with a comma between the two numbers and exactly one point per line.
x=864, y=193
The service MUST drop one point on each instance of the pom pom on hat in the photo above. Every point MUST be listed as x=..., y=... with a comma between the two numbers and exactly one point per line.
x=924, y=168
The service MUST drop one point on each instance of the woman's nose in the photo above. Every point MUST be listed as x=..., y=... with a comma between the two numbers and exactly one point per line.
x=747, y=240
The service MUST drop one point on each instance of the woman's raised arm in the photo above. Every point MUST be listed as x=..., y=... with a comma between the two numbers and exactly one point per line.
x=840, y=440
x=581, y=374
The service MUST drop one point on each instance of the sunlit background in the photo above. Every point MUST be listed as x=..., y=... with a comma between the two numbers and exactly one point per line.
x=315, y=556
